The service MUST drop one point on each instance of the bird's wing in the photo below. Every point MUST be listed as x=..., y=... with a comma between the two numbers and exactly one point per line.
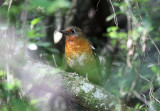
x=95, y=55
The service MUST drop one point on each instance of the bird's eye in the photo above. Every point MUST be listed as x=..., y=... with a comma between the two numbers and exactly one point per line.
x=73, y=31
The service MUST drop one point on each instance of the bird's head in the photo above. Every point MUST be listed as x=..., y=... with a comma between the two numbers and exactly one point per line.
x=72, y=31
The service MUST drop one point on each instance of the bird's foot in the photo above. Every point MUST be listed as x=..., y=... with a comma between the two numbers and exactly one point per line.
x=74, y=74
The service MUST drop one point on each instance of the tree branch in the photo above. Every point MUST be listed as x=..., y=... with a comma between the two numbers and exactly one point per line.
x=84, y=93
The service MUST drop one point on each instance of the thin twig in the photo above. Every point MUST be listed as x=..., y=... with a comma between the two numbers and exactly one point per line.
x=54, y=60
x=9, y=6
x=97, y=5
x=141, y=98
x=151, y=90
x=144, y=78
x=154, y=44
x=115, y=17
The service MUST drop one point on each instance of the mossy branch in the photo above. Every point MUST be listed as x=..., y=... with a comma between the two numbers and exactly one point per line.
x=84, y=93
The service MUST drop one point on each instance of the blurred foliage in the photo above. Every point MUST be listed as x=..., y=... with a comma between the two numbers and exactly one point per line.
x=35, y=31
x=138, y=43
x=143, y=32
x=49, y=6
x=10, y=99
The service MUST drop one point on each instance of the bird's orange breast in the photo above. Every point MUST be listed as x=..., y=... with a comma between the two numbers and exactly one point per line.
x=78, y=52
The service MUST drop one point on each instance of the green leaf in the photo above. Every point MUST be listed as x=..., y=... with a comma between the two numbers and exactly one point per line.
x=156, y=70
x=33, y=33
x=3, y=73
x=122, y=35
x=8, y=86
x=109, y=18
x=113, y=35
x=58, y=4
x=113, y=28
x=35, y=21
x=116, y=4
x=43, y=44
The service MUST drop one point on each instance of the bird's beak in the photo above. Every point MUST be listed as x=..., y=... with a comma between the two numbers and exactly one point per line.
x=63, y=32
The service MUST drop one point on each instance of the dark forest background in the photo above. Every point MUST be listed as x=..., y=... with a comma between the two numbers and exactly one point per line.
x=125, y=33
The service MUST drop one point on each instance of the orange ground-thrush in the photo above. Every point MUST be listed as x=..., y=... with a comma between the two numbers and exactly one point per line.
x=79, y=54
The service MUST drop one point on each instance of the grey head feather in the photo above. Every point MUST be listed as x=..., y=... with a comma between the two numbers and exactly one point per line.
x=74, y=31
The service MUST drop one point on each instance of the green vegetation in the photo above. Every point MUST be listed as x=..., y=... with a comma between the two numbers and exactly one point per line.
x=128, y=47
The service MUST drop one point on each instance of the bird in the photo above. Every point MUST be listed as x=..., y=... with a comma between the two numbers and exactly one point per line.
x=79, y=54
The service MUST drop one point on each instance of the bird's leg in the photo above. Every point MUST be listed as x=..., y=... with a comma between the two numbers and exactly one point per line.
x=86, y=77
